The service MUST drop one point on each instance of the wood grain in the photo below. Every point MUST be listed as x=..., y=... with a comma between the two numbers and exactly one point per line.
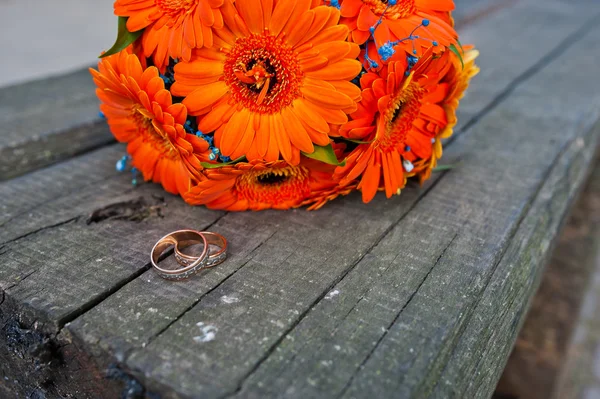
x=553, y=327
x=46, y=121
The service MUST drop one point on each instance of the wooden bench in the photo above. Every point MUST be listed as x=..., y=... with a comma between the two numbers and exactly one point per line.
x=421, y=295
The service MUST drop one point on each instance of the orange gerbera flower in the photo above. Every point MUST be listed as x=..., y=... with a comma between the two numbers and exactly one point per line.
x=399, y=117
x=259, y=185
x=278, y=76
x=394, y=22
x=457, y=80
x=140, y=113
x=172, y=27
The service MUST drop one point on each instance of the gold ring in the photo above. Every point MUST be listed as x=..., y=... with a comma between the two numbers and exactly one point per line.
x=213, y=259
x=172, y=239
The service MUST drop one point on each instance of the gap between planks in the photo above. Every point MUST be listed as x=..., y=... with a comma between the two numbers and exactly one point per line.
x=520, y=79
x=381, y=338
x=472, y=121
x=543, y=62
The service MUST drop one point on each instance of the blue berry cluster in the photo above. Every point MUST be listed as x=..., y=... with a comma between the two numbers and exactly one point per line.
x=387, y=50
x=411, y=60
x=169, y=75
x=122, y=163
x=121, y=166
x=215, y=153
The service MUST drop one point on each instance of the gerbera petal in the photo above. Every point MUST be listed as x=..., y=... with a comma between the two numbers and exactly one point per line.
x=262, y=135
x=202, y=98
x=234, y=132
x=313, y=120
x=366, y=19
x=283, y=141
x=281, y=14
x=299, y=31
x=343, y=70
x=139, y=20
x=370, y=182
x=252, y=13
x=246, y=140
x=296, y=132
x=326, y=98
x=351, y=8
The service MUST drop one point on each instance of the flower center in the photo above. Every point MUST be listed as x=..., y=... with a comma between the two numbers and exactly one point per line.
x=274, y=186
x=174, y=7
x=157, y=139
x=402, y=8
x=262, y=73
x=401, y=112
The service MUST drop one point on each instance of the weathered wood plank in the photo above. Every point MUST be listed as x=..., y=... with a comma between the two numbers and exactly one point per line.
x=504, y=300
x=515, y=42
x=122, y=323
x=456, y=345
x=30, y=203
x=537, y=41
x=469, y=11
x=541, y=352
x=98, y=256
x=388, y=327
x=55, y=266
x=48, y=120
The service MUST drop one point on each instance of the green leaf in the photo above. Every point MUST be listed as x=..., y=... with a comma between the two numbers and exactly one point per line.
x=124, y=38
x=325, y=154
x=458, y=54
x=442, y=168
x=208, y=165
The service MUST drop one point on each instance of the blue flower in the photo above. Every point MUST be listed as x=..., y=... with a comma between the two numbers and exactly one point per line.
x=386, y=51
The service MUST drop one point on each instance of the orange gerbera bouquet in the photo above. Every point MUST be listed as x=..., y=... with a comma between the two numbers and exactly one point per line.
x=257, y=104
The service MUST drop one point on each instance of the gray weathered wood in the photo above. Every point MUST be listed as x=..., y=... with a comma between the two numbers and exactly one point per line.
x=277, y=293
x=542, y=350
x=390, y=327
x=48, y=120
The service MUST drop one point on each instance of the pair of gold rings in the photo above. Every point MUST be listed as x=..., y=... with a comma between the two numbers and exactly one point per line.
x=182, y=239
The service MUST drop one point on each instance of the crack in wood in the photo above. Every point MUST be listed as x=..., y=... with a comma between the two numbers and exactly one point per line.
x=496, y=101
x=159, y=333
x=301, y=317
x=525, y=213
x=105, y=295
x=134, y=210
x=73, y=219
x=366, y=359
x=544, y=62
x=485, y=12
x=21, y=279
x=65, y=194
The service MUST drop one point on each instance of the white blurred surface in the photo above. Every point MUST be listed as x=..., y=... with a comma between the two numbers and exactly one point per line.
x=39, y=38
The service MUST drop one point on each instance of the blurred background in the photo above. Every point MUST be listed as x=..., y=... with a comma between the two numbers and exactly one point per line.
x=61, y=36
x=76, y=31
